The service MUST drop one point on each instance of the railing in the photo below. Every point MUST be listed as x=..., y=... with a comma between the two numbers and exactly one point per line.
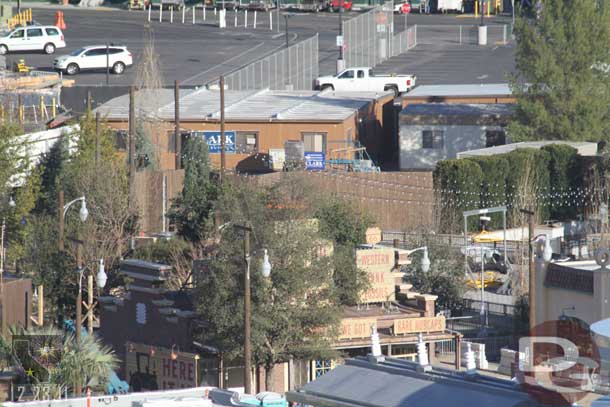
x=404, y=41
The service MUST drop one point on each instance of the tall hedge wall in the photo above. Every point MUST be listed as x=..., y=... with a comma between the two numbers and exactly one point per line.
x=556, y=182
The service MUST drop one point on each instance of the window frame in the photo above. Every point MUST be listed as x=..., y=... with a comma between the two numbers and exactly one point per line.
x=434, y=141
x=40, y=30
x=51, y=31
x=324, y=135
x=239, y=133
x=495, y=133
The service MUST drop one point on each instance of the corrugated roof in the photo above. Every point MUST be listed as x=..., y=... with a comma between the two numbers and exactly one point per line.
x=263, y=105
x=146, y=100
x=458, y=109
x=488, y=89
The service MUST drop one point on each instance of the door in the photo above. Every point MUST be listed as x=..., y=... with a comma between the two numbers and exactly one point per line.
x=93, y=59
x=35, y=39
x=17, y=41
x=345, y=81
x=362, y=83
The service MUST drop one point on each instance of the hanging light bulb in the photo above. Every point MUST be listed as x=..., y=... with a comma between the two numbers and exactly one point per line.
x=266, y=266
x=547, y=253
x=83, y=213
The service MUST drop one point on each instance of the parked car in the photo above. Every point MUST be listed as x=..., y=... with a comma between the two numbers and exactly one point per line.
x=94, y=57
x=363, y=79
x=46, y=38
x=335, y=5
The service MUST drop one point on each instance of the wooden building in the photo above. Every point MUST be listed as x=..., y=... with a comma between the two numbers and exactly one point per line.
x=15, y=302
x=262, y=125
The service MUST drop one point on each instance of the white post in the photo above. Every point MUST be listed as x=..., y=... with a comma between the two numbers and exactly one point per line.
x=271, y=21
x=215, y=10
x=194, y=9
x=183, y=13
x=245, y=18
x=235, y=19
x=149, y=11
x=171, y=14
x=204, y=12
x=160, y=12
x=254, y=26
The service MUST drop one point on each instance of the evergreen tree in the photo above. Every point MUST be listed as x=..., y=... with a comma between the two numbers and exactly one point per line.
x=563, y=80
x=191, y=210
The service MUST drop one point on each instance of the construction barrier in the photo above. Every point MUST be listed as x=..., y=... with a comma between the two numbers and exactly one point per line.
x=20, y=19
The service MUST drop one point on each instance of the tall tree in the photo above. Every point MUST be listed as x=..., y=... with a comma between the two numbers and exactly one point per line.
x=296, y=301
x=563, y=80
x=191, y=210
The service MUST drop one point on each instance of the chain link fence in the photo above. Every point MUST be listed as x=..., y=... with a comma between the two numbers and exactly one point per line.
x=404, y=41
x=292, y=68
x=497, y=34
x=368, y=38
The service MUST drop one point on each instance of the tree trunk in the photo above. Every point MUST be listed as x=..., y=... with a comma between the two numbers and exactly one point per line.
x=269, y=378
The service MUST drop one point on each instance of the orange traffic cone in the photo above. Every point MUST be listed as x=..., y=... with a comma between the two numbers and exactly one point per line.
x=59, y=20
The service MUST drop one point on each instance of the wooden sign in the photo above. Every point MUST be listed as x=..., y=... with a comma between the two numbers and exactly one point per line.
x=152, y=367
x=353, y=328
x=416, y=325
x=382, y=287
x=375, y=259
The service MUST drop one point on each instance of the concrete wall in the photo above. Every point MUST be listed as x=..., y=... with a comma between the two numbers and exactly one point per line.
x=457, y=139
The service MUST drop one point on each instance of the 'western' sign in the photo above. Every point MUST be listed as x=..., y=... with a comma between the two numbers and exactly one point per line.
x=416, y=325
x=214, y=140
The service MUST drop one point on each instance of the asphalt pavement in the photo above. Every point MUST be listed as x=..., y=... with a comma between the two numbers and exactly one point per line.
x=198, y=53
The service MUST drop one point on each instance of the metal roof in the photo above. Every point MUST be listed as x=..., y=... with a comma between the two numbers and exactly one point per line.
x=396, y=383
x=584, y=148
x=484, y=89
x=458, y=109
x=263, y=105
x=146, y=101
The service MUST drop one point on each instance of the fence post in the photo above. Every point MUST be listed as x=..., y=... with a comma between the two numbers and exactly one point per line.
x=171, y=14
x=504, y=35
x=245, y=18
x=254, y=26
x=204, y=12
x=183, y=14
x=194, y=9
x=215, y=10
x=235, y=22
x=270, y=21
x=149, y=11
x=460, y=34
x=160, y=12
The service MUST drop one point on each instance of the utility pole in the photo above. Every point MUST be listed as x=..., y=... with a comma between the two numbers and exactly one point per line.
x=532, y=279
x=340, y=61
x=107, y=64
x=177, y=134
x=247, y=311
x=61, y=221
x=222, y=129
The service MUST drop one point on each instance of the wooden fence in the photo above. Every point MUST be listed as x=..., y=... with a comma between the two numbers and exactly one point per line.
x=395, y=200
x=154, y=192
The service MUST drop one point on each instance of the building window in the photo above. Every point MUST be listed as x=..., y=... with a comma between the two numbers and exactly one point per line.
x=314, y=142
x=141, y=313
x=322, y=367
x=495, y=138
x=433, y=139
x=246, y=142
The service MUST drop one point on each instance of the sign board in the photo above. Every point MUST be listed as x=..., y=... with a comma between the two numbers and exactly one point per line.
x=373, y=235
x=277, y=158
x=147, y=366
x=339, y=41
x=416, y=325
x=406, y=8
x=315, y=161
x=375, y=259
x=382, y=287
x=354, y=328
x=381, y=28
x=213, y=138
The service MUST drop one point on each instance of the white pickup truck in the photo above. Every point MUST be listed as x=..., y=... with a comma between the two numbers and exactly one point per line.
x=362, y=79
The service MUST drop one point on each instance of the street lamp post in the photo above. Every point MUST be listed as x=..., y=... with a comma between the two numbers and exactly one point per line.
x=266, y=272
x=83, y=213
x=425, y=260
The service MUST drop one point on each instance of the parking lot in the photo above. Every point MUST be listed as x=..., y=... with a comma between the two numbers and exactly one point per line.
x=198, y=53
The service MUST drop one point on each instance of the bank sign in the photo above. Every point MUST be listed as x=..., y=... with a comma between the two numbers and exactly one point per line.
x=315, y=161
x=213, y=139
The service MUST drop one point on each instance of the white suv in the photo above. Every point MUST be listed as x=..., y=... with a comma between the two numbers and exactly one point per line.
x=94, y=57
x=32, y=38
